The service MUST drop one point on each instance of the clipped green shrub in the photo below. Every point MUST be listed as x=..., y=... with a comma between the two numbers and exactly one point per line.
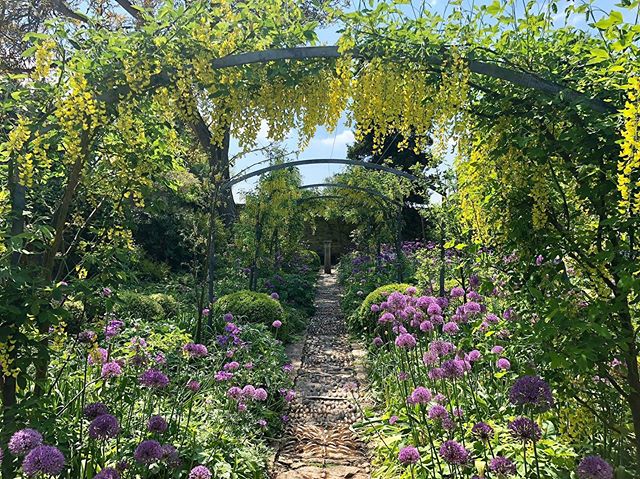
x=169, y=304
x=365, y=321
x=249, y=307
x=139, y=306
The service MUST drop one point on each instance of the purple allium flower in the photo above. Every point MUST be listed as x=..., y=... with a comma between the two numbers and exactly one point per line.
x=531, y=391
x=436, y=373
x=113, y=328
x=205, y=312
x=502, y=466
x=87, y=337
x=420, y=395
x=193, y=385
x=433, y=309
x=438, y=411
x=200, y=472
x=503, y=363
x=472, y=307
x=275, y=296
x=234, y=392
x=232, y=366
x=474, y=356
x=107, y=473
x=457, y=292
x=47, y=460
x=454, y=452
x=406, y=341
x=524, y=429
x=105, y=426
x=497, y=350
x=393, y=420
x=450, y=328
x=148, y=451
x=248, y=391
x=290, y=395
x=594, y=467
x=112, y=369
x=277, y=324
x=222, y=376
x=160, y=358
x=95, y=409
x=287, y=368
x=262, y=423
x=386, y=318
x=375, y=308
x=377, y=341
x=242, y=407
x=482, y=431
x=170, y=455
x=152, y=378
x=157, y=424
x=228, y=318
x=194, y=350
x=426, y=326
x=539, y=260
x=260, y=394
x=492, y=318
x=24, y=441
x=411, y=290
x=106, y=292
x=453, y=368
x=409, y=455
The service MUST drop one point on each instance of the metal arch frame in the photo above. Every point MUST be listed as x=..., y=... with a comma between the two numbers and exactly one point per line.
x=353, y=187
x=321, y=161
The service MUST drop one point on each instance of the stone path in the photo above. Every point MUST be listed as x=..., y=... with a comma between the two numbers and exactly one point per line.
x=318, y=443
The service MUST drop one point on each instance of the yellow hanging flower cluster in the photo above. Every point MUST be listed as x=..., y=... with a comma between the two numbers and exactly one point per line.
x=629, y=162
x=78, y=113
x=6, y=362
x=43, y=59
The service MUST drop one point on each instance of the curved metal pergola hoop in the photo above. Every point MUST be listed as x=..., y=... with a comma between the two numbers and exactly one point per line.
x=346, y=186
x=321, y=161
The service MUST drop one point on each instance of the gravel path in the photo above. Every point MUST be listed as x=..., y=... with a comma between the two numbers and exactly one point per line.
x=318, y=443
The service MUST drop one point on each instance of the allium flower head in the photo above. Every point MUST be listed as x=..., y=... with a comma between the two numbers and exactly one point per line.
x=502, y=466
x=152, y=378
x=393, y=420
x=99, y=355
x=531, y=391
x=228, y=318
x=438, y=411
x=95, y=409
x=111, y=370
x=524, y=429
x=474, y=355
x=87, y=337
x=170, y=455
x=472, y=307
x=260, y=394
x=450, y=328
x=113, y=328
x=24, y=441
x=454, y=452
x=420, y=395
x=504, y=364
x=107, y=473
x=406, y=341
x=193, y=385
x=497, y=350
x=148, y=451
x=275, y=296
x=200, y=472
x=409, y=455
x=157, y=424
x=457, y=292
x=482, y=431
x=377, y=341
x=234, y=392
x=104, y=427
x=231, y=366
x=46, y=460
x=594, y=467
x=195, y=350
x=277, y=324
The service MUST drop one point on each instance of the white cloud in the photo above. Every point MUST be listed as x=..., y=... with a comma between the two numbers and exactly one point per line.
x=341, y=139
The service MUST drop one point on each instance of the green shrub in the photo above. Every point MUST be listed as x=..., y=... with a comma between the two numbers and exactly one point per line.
x=139, y=306
x=249, y=307
x=310, y=258
x=365, y=321
x=169, y=304
x=75, y=318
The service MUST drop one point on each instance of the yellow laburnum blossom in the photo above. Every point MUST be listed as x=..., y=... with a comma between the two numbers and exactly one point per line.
x=629, y=162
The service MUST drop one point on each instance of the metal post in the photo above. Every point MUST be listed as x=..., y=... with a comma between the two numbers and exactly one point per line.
x=327, y=257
